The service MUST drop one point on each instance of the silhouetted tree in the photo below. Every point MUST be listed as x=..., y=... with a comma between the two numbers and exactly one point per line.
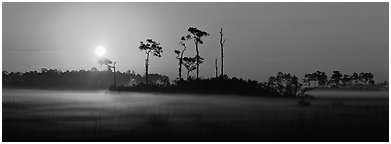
x=345, y=79
x=271, y=82
x=307, y=79
x=361, y=77
x=222, y=50
x=322, y=78
x=285, y=84
x=336, y=77
x=310, y=77
x=295, y=82
x=384, y=84
x=191, y=64
x=107, y=62
x=365, y=77
x=314, y=77
x=180, y=59
x=150, y=46
x=216, y=67
x=370, y=78
x=354, y=77
x=197, y=35
x=180, y=54
x=371, y=82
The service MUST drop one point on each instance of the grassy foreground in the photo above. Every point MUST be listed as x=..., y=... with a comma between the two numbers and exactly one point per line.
x=99, y=116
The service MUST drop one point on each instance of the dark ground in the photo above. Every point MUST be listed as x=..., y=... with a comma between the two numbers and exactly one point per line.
x=36, y=115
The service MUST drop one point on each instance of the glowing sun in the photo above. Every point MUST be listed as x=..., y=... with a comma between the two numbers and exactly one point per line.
x=100, y=51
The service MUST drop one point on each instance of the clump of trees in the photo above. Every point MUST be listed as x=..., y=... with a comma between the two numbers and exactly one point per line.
x=364, y=80
x=317, y=76
x=190, y=64
x=284, y=84
x=180, y=54
x=196, y=36
x=81, y=79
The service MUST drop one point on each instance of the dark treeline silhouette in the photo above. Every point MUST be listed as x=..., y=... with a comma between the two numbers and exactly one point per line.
x=363, y=80
x=82, y=79
x=283, y=84
x=214, y=85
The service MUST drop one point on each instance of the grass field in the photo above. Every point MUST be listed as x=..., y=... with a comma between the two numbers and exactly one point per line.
x=40, y=115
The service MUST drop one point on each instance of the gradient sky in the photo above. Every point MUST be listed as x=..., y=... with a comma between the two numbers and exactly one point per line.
x=262, y=38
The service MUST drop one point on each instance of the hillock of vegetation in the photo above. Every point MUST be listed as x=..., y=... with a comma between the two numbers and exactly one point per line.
x=216, y=85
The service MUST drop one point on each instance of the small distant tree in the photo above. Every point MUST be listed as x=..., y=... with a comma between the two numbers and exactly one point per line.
x=366, y=77
x=309, y=77
x=361, y=77
x=153, y=47
x=285, y=84
x=295, y=82
x=322, y=78
x=109, y=64
x=345, y=80
x=314, y=77
x=384, y=84
x=354, y=77
x=271, y=82
x=369, y=78
x=371, y=82
x=197, y=36
x=190, y=64
x=336, y=77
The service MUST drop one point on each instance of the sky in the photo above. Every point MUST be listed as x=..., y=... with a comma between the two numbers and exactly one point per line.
x=261, y=38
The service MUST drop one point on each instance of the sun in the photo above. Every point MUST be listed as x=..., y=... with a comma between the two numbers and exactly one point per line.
x=100, y=51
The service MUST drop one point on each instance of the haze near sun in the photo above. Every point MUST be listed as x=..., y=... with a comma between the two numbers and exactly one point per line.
x=100, y=51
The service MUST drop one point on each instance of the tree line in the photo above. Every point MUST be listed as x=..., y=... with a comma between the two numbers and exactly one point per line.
x=283, y=84
x=338, y=79
x=81, y=79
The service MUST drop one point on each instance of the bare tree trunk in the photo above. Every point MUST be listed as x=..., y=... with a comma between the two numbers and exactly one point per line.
x=216, y=66
x=115, y=78
x=188, y=74
x=146, y=69
x=180, y=69
x=197, y=60
x=222, y=51
x=180, y=64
